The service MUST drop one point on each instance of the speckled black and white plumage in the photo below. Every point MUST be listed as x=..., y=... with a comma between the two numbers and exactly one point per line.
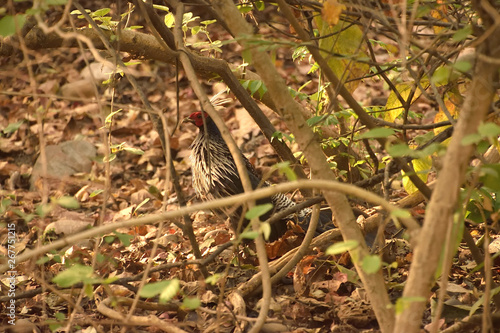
x=214, y=171
x=215, y=175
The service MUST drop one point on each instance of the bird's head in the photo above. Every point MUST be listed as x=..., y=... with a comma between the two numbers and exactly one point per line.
x=197, y=118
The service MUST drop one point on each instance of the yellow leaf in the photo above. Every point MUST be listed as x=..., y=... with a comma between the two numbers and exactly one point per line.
x=393, y=106
x=331, y=11
x=440, y=14
x=452, y=100
x=344, y=50
x=422, y=167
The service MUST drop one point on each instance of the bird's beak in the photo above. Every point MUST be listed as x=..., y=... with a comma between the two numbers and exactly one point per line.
x=188, y=120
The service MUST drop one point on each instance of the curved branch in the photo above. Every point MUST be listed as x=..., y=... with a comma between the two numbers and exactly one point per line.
x=229, y=201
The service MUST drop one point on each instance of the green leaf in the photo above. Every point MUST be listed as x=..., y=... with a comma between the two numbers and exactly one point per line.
x=490, y=176
x=154, y=288
x=153, y=190
x=258, y=211
x=130, y=63
x=430, y=150
x=195, y=30
x=285, y=169
x=259, y=5
x=313, y=68
x=67, y=202
x=110, y=116
x=53, y=326
x=101, y=12
x=249, y=235
x=42, y=260
x=244, y=8
x=88, y=290
x=462, y=66
x=191, y=303
x=110, y=280
x=109, y=239
x=8, y=24
x=118, y=146
x=254, y=86
x=262, y=90
x=145, y=201
x=314, y=120
x=166, y=289
x=169, y=20
x=379, y=132
x=110, y=158
x=124, y=238
x=441, y=75
x=188, y=17
x=299, y=53
x=404, y=302
x=371, y=264
x=400, y=150
x=77, y=12
x=462, y=34
x=213, y=279
x=245, y=83
x=421, y=139
x=73, y=275
x=489, y=130
x=208, y=22
x=4, y=204
x=400, y=213
x=160, y=7
x=342, y=247
x=96, y=193
x=471, y=139
x=483, y=146
x=60, y=316
x=134, y=27
x=12, y=127
x=101, y=258
x=135, y=151
x=43, y=209
x=170, y=291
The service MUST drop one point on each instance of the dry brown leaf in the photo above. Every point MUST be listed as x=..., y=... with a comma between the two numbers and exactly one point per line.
x=331, y=11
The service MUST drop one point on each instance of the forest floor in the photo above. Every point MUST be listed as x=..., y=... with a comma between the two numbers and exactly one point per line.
x=322, y=294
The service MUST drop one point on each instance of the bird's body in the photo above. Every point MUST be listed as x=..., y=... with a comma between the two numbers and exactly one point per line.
x=215, y=176
x=214, y=171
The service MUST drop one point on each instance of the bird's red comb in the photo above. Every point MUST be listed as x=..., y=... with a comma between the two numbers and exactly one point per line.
x=197, y=118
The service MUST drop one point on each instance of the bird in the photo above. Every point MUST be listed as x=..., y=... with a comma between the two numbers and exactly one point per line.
x=214, y=175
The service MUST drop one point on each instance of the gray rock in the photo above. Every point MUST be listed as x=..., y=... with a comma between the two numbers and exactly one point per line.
x=65, y=159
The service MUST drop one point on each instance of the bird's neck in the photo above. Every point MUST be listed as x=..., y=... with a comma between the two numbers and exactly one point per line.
x=212, y=131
